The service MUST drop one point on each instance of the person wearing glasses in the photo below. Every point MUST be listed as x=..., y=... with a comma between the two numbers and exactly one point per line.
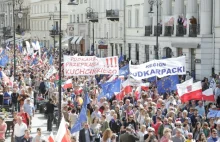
x=214, y=137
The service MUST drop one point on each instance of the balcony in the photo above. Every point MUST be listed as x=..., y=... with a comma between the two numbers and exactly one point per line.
x=112, y=15
x=148, y=30
x=180, y=30
x=168, y=30
x=7, y=32
x=19, y=31
x=159, y=32
x=194, y=30
x=92, y=16
x=55, y=33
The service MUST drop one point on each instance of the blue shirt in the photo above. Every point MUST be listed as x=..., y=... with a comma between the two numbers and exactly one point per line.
x=201, y=110
x=87, y=137
x=7, y=98
x=28, y=108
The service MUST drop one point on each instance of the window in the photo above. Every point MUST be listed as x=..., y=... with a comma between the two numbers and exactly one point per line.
x=137, y=51
x=129, y=51
x=71, y=20
x=112, y=48
x=74, y=18
x=85, y=1
x=81, y=1
x=137, y=18
x=129, y=18
x=179, y=52
x=77, y=18
x=147, y=53
x=82, y=18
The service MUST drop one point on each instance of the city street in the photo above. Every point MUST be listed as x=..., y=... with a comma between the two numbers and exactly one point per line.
x=39, y=121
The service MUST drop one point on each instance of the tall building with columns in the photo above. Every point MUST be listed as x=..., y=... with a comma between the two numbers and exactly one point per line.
x=106, y=27
x=45, y=21
x=188, y=28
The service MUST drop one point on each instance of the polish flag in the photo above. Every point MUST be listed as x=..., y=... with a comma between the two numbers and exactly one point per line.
x=120, y=95
x=190, y=92
x=137, y=92
x=208, y=95
x=127, y=89
x=62, y=135
x=68, y=84
x=51, y=137
x=145, y=86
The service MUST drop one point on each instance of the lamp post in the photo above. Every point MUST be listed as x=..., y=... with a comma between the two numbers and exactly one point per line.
x=72, y=2
x=20, y=14
x=156, y=3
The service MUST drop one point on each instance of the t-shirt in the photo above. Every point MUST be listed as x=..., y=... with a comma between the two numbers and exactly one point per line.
x=3, y=127
x=7, y=98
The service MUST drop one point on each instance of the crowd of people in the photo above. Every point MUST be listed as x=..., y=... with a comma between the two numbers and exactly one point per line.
x=152, y=117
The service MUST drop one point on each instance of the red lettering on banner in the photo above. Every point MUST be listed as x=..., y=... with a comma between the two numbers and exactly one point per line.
x=107, y=62
x=111, y=62
x=115, y=61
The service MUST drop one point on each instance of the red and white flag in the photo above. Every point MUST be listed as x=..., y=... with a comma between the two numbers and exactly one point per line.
x=138, y=92
x=68, y=84
x=51, y=137
x=208, y=95
x=189, y=92
x=62, y=135
x=145, y=86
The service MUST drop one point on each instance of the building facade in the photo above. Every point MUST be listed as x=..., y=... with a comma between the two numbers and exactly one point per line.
x=103, y=26
x=185, y=28
x=78, y=27
x=45, y=21
x=22, y=19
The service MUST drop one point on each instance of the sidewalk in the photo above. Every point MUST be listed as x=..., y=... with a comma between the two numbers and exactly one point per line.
x=39, y=121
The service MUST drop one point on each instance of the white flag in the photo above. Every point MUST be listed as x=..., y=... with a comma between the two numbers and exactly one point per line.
x=51, y=71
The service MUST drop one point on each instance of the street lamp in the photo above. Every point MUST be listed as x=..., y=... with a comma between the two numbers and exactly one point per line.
x=151, y=12
x=20, y=15
x=72, y=2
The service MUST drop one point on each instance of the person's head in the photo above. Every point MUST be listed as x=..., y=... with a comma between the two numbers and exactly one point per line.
x=202, y=137
x=39, y=131
x=167, y=133
x=190, y=136
x=95, y=120
x=178, y=124
x=96, y=108
x=26, y=133
x=200, y=103
x=127, y=102
x=73, y=111
x=86, y=125
x=103, y=118
x=130, y=118
x=150, y=130
x=115, y=116
x=178, y=132
x=107, y=134
x=143, y=128
x=198, y=125
x=214, y=133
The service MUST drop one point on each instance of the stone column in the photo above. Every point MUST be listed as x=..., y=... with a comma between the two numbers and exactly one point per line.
x=206, y=17
x=178, y=10
x=191, y=11
x=167, y=11
x=155, y=14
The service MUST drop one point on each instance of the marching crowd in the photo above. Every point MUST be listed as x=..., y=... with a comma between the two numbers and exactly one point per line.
x=152, y=117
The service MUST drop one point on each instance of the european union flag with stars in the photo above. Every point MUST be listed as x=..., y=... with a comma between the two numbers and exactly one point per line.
x=167, y=84
x=110, y=87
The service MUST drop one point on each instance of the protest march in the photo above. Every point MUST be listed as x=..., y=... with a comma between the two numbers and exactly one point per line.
x=105, y=99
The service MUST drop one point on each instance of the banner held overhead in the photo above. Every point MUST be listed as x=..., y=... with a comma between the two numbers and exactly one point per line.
x=159, y=68
x=90, y=65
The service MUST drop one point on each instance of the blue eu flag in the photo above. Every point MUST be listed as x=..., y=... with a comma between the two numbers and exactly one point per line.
x=82, y=115
x=124, y=70
x=110, y=87
x=167, y=84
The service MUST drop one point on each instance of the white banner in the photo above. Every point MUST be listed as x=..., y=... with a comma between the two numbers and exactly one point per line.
x=51, y=71
x=131, y=82
x=159, y=68
x=90, y=65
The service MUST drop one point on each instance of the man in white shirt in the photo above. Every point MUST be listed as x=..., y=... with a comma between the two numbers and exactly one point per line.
x=19, y=129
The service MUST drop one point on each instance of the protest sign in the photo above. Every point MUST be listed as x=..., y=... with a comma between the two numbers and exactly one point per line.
x=90, y=65
x=213, y=113
x=51, y=71
x=159, y=68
